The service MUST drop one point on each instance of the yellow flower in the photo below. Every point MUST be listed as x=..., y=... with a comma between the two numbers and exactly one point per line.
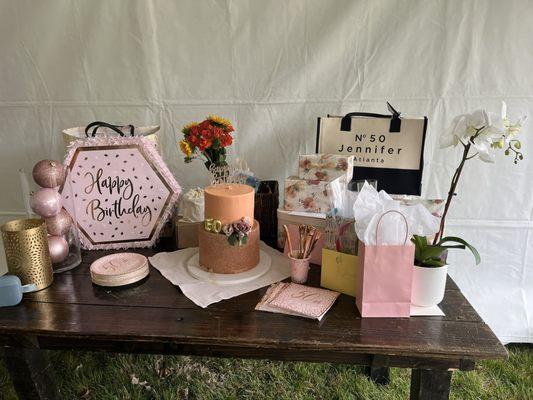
x=219, y=121
x=185, y=148
x=186, y=129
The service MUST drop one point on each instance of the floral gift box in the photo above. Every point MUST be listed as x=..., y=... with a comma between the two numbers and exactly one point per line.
x=324, y=167
x=307, y=195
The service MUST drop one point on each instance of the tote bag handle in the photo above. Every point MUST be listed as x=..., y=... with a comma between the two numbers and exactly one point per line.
x=395, y=122
x=101, y=124
x=404, y=219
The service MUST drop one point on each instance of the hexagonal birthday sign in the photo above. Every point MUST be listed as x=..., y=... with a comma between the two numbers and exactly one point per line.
x=120, y=192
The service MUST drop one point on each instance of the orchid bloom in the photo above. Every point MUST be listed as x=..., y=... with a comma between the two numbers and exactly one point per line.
x=486, y=132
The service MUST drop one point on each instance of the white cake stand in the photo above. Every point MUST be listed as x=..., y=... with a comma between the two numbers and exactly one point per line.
x=198, y=272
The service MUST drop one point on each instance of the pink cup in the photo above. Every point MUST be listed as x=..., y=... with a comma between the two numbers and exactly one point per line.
x=299, y=268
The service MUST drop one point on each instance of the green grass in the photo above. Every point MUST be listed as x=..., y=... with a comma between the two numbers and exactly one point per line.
x=83, y=375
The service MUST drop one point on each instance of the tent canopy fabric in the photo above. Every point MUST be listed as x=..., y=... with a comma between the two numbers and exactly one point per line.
x=272, y=67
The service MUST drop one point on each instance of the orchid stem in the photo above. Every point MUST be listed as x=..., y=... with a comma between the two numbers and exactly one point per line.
x=455, y=181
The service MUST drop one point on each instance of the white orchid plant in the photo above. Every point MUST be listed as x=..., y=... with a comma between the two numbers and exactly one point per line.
x=481, y=134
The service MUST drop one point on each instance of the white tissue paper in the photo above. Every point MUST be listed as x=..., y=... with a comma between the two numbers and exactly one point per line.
x=342, y=199
x=371, y=206
x=191, y=207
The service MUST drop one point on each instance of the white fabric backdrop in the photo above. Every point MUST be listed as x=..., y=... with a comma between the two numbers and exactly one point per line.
x=273, y=67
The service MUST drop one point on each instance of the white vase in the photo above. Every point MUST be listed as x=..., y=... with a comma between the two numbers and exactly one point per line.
x=428, y=285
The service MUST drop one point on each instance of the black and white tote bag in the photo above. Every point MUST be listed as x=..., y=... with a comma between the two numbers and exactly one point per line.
x=388, y=148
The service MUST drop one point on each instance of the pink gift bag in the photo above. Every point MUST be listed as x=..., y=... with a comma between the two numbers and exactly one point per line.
x=384, y=277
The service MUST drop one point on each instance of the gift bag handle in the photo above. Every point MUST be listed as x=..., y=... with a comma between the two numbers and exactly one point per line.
x=101, y=124
x=405, y=220
x=395, y=122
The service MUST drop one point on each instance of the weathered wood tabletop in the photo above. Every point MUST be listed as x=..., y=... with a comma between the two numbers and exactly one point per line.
x=155, y=317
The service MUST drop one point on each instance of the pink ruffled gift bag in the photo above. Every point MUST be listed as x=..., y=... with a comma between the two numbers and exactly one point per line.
x=384, y=277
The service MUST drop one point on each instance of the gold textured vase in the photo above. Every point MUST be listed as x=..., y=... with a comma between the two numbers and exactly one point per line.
x=27, y=254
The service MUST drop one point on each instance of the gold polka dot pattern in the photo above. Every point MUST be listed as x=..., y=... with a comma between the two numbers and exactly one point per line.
x=27, y=255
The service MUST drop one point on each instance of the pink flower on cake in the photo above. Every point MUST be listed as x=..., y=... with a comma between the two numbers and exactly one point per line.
x=227, y=229
x=243, y=225
x=238, y=231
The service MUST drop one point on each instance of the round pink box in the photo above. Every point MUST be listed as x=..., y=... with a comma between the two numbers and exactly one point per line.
x=119, y=269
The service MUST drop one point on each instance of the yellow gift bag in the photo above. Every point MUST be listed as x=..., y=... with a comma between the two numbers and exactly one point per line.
x=339, y=271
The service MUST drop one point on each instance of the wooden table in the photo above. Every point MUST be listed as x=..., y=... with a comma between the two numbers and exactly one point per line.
x=154, y=317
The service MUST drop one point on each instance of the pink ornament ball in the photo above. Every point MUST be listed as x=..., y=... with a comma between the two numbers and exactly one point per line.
x=59, y=224
x=49, y=173
x=46, y=202
x=58, y=247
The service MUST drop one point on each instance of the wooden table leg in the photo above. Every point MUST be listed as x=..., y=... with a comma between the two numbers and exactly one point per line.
x=30, y=371
x=430, y=384
x=378, y=375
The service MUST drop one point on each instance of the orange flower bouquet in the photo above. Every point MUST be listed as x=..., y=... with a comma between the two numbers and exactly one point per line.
x=207, y=141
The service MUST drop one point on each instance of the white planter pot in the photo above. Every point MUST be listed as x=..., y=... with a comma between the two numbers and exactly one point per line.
x=428, y=285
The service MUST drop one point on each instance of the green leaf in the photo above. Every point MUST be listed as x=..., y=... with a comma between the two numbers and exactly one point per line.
x=433, y=263
x=420, y=243
x=457, y=246
x=244, y=240
x=417, y=252
x=463, y=242
x=232, y=239
x=417, y=247
x=431, y=255
x=431, y=252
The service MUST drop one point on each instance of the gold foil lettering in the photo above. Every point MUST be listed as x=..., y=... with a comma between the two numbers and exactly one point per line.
x=213, y=225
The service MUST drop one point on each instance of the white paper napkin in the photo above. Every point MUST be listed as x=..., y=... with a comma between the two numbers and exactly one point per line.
x=173, y=266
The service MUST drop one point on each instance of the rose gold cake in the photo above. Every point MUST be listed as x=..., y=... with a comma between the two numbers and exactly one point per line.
x=229, y=238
